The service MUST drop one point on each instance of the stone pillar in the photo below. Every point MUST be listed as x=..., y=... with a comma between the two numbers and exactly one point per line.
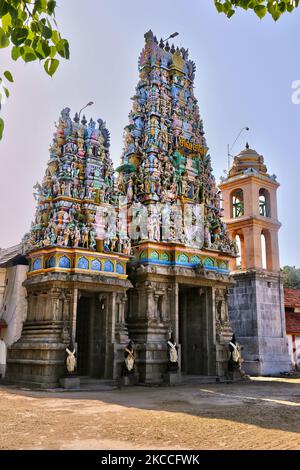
x=223, y=329
x=121, y=331
x=252, y=247
x=38, y=357
x=74, y=315
x=148, y=331
x=174, y=310
x=273, y=263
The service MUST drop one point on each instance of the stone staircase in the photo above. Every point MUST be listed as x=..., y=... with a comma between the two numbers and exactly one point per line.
x=94, y=384
x=200, y=379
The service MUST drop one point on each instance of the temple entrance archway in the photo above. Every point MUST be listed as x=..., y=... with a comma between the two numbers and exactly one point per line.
x=194, y=331
x=83, y=335
x=93, y=354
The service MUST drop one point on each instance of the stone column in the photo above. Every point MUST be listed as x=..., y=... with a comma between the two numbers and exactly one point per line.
x=148, y=332
x=252, y=247
x=74, y=314
x=273, y=263
x=121, y=331
x=175, y=311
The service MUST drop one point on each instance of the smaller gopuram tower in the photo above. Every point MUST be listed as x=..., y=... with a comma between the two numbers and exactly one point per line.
x=77, y=282
x=256, y=308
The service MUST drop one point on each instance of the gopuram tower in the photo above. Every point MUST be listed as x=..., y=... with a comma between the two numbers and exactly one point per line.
x=181, y=250
x=256, y=302
x=138, y=254
x=77, y=282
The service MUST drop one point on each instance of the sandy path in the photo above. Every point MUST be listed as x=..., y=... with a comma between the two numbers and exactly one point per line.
x=262, y=414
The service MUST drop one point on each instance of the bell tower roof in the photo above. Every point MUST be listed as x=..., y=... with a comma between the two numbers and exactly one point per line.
x=250, y=212
x=246, y=162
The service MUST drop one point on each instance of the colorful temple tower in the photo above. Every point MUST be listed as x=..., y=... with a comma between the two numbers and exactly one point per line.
x=181, y=249
x=256, y=303
x=77, y=283
x=139, y=254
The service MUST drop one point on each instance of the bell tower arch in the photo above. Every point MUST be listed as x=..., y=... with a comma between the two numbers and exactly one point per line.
x=256, y=309
x=250, y=210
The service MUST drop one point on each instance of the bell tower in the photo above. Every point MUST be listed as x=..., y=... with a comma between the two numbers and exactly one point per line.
x=256, y=307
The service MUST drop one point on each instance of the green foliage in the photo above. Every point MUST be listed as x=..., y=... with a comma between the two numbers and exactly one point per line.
x=275, y=8
x=291, y=277
x=1, y=127
x=51, y=65
x=30, y=28
x=8, y=75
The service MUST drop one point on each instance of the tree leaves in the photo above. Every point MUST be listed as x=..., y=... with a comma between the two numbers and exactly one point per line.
x=291, y=277
x=51, y=7
x=261, y=11
x=8, y=75
x=15, y=53
x=30, y=28
x=3, y=8
x=1, y=128
x=4, y=40
x=51, y=66
x=19, y=36
x=29, y=54
x=62, y=48
x=275, y=8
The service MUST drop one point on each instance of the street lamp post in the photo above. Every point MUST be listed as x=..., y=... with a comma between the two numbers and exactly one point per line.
x=173, y=35
x=229, y=149
x=88, y=104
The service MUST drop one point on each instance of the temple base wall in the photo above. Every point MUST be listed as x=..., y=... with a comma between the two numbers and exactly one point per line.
x=100, y=316
x=191, y=305
x=64, y=309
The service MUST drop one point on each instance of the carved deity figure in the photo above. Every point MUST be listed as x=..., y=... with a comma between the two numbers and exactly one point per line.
x=85, y=237
x=71, y=359
x=92, y=239
x=172, y=354
x=76, y=237
x=235, y=360
x=129, y=359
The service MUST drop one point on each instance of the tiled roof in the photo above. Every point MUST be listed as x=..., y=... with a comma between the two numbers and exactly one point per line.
x=8, y=254
x=292, y=322
x=291, y=298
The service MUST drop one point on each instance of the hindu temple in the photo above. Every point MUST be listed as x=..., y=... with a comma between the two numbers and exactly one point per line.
x=138, y=252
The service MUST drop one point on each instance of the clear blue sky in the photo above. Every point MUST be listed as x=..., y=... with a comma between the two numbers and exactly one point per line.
x=245, y=68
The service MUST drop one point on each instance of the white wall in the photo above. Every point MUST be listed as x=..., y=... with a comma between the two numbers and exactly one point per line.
x=2, y=285
x=14, y=304
x=295, y=356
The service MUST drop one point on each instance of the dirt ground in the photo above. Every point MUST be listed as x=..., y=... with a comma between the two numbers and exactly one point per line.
x=260, y=414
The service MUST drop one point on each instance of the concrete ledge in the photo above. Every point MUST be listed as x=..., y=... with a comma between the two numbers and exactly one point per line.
x=70, y=382
x=127, y=380
x=172, y=378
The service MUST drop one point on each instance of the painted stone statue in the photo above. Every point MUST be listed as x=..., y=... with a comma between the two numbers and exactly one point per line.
x=172, y=354
x=129, y=359
x=235, y=359
x=71, y=359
